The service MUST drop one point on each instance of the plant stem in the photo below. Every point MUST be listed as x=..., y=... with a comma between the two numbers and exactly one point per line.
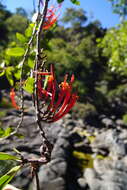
x=37, y=61
x=37, y=180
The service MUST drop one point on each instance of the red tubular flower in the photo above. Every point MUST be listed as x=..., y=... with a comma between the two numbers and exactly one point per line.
x=51, y=18
x=59, y=103
x=12, y=96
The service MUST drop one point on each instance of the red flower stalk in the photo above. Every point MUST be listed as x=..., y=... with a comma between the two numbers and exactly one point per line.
x=12, y=96
x=59, y=103
x=51, y=18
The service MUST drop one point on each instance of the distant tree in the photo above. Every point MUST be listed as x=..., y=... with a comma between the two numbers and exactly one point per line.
x=114, y=46
x=21, y=11
x=76, y=17
x=4, y=15
x=16, y=23
x=120, y=7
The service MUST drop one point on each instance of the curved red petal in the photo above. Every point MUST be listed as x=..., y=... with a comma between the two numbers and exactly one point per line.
x=65, y=103
x=68, y=108
x=12, y=96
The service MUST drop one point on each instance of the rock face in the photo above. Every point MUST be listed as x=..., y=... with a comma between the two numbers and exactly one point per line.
x=83, y=157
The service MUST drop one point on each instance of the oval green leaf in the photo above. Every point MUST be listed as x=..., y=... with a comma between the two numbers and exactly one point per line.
x=2, y=73
x=76, y=2
x=5, y=156
x=29, y=85
x=9, y=75
x=29, y=30
x=15, y=52
x=5, y=179
x=21, y=37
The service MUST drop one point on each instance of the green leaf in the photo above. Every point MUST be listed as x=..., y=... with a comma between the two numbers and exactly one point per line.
x=31, y=63
x=29, y=31
x=16, y=150
x=7, y=132
x=60, y=1
x=76, y=2
x=125, y=119
x=4, y=133
x=15, y=52
x=5, y=156
x=29, y=85
x=17, y=74
x=9, y=75
x=1, y=132
x=2, y=73
x=21, y=37
x=5, y=179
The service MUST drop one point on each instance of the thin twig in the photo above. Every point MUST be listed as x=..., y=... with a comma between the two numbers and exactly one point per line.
x=34, y=164
x=46, y=148
x=37, y=180
x=38, y=52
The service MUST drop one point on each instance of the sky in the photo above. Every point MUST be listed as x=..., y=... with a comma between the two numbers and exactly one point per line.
x=96, y=9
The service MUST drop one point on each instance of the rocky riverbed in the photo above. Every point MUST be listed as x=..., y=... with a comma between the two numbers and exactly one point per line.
x=84, y=157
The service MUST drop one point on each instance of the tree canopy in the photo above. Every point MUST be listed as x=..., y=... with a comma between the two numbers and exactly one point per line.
x=76, y=46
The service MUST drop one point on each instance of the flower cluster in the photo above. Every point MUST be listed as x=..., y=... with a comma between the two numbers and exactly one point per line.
x=57, y=99
x=51, y=18
x=54, y=100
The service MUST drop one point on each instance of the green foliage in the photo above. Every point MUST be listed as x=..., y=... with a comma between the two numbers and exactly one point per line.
x=114, y=46
x=16, y=23
x=60, y=1
x=5, y=179
x=119, y=7
x=9, y=75
x=2, y=113
x=119, y=92
x=11, y=65
x=15, y=52
x=5, y=132
x=75, y=17
x=21, y=37
x=29, y=30
x=76, y=2
x=125, y=119
x=31, y=63
x=4, y=15
x=21, y=11
x=29, y=85
x=6, y=165
x=5, y=156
